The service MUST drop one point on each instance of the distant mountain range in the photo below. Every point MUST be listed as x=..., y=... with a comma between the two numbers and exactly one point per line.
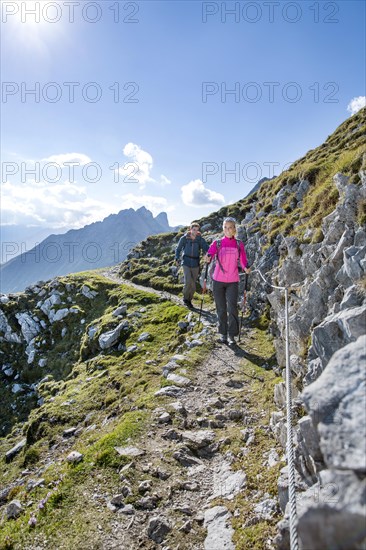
x=99, y=244
x=16, y=239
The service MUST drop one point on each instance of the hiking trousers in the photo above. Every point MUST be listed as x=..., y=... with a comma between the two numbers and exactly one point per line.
x=190, y=278
x=226, y=300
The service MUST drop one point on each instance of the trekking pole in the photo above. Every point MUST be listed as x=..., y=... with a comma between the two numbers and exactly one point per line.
x=203, y=290
x=244, y=304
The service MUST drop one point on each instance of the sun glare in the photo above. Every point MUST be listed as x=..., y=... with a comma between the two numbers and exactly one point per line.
x=31, y=23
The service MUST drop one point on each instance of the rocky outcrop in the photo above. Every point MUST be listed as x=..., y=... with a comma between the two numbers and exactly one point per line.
x=336, y=403
x=110, y=338
x=332, y=512
x=327, y=313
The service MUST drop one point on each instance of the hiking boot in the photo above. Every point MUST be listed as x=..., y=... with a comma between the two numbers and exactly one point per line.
x=188, y=303
x=222, y=339
x=231, y=341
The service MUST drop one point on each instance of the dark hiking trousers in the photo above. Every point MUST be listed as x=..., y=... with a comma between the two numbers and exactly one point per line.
x=226, y=300
x=190, y=278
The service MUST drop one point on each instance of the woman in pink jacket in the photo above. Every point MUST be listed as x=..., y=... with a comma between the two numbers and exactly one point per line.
x=225, y=279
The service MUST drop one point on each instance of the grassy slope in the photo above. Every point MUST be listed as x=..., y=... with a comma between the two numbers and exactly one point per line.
x=344, y=151
x=88, y=388
x=113, y=394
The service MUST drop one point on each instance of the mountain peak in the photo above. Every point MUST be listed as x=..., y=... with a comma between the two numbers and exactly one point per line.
x=99, y=244
x=162, y=219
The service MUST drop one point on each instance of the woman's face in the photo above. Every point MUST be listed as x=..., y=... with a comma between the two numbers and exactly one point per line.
x=229, y=229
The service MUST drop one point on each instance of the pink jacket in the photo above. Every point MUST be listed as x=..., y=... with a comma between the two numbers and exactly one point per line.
x=228, y=256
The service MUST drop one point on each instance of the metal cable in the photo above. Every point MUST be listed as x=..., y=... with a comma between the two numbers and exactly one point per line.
x=289, y=443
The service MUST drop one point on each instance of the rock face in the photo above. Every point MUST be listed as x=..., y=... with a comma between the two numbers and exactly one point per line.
x=338, y=411
x=328, y=309
x=332, y=512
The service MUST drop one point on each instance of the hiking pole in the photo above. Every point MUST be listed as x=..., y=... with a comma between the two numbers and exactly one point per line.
x=244, y=304
x=203, y=290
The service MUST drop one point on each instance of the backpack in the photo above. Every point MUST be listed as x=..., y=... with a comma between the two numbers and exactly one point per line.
x=215, y=260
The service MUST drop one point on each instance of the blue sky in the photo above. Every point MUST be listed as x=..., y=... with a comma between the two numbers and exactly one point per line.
x=174, y=133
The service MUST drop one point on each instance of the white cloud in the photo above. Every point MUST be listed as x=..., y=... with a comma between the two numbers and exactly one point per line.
x=60, y=159
x=138, y=170
x=61, y=205
x=152, y=203
x=196, y=194
x=356, y=104
x=164, y=180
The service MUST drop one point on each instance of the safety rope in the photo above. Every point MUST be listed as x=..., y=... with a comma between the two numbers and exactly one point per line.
x=289, y=443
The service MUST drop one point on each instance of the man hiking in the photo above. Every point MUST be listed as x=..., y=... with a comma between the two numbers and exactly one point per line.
x=191, y=243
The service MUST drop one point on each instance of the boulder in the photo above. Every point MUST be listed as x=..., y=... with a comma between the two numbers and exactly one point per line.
x=121, y=310
x=336, y=402
x=178, y=380
x=9, y=455
x=110, y=338
x=352, y=298
x=352, y=258
x=331, y=514
x=14, y=509
x=158, y=528
x=74, y=457
x=5, y=328
x=30, y=326
x=88, y=293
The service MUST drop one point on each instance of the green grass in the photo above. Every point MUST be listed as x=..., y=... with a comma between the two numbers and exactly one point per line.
x=96, y=386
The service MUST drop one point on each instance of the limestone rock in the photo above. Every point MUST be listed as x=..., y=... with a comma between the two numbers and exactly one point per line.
x=219, y=529
x=144, y=337
x=198, y=440
x=178, y=379
x=337, y=331
x=227, y=484
x=331, y=514
x=29, y=325
x=185, y=457
x=129, y=451
x=158, y=528
x=88, y=293
x=337, y=403
x=9, y=455
x=171, y=391
x=121, y=310
x=5, y=328
x=74, y=456
x=14, y=509
x=108, y=339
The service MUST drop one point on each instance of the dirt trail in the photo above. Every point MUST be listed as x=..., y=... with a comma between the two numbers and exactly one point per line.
x=185, y=465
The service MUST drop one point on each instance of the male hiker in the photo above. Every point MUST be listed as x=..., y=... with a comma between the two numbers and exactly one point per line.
x=192, y=243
